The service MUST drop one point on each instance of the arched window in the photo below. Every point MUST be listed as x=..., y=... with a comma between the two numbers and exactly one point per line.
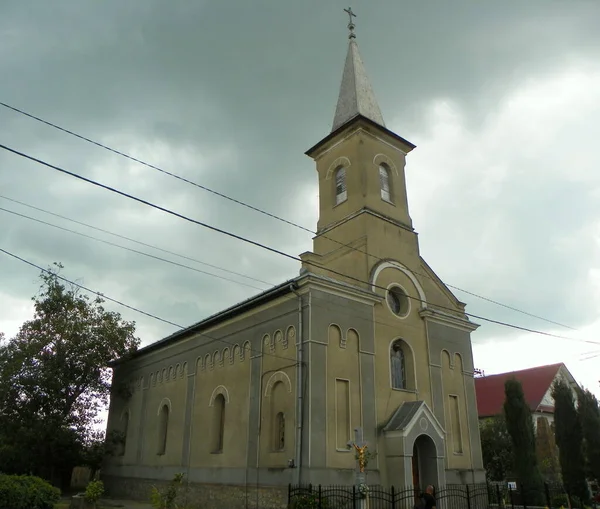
x=340, y=185
x=384, y=181
x=218, y=428
x=163, y=426
x=279, y=435
x=125, y=427
x=398, y=365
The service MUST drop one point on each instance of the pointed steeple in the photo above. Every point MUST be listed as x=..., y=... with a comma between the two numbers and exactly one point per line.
x=356, y=94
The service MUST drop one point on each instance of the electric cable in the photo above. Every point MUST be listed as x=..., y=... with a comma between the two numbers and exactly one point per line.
x=261, y=211
x=263, y=246
x=130, y=249
x=135, y=241
x=133, y=308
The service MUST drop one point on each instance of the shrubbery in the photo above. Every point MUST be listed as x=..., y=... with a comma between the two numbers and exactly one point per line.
x=94, y=491
x=26, y=492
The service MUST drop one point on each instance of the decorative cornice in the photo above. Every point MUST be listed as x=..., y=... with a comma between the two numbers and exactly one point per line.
x=364, y=210
x=437, y=316
x=315, y=281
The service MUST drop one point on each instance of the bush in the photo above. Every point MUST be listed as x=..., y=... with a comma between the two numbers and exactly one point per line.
x=166, y=499
x=26, y=492
x=93, y=491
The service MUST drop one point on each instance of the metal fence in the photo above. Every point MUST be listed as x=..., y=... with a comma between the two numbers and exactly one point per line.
x=451, y=496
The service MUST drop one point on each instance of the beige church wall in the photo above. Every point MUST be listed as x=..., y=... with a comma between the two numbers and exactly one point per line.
x=226, y=372
x=134, y=408
x=166, y=386
x=343, y=394
x=125, y=415
x=374, y=153
x=342, y=155
x=344, y=251
x=411, y=330
x=320, y=465
x=436, y=295
x=458, y=447
x=390, y=242
x=278, y=395
x=445, y=342
x=361, y=148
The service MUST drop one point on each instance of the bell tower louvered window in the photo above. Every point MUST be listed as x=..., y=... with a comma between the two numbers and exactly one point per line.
x=384, y=181
x=340, y=185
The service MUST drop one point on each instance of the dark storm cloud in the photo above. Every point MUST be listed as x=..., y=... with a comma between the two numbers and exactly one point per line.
x=230, y=94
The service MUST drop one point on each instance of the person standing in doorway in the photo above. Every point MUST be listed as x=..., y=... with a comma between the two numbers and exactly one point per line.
x=429, y=498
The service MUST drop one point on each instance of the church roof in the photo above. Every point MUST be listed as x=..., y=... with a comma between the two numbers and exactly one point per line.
x=356, y=95
x=535, y=382
x=403, y=415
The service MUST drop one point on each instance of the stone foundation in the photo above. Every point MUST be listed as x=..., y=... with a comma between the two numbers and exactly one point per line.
x=201, y=496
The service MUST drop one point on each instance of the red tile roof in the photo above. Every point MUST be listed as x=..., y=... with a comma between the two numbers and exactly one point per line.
x=535, y=382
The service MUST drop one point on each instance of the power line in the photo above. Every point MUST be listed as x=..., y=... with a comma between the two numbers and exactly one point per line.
x=130, y=249
x=137, y=310
x=282, y=253
x=342, y=308
x=145, y=202
x=261, y=211
x=89, y=290
x=135, y=241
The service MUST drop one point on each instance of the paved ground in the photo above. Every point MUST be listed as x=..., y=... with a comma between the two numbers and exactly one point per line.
x=123, y=504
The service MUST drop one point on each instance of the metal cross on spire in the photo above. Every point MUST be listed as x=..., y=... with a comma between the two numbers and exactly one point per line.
x=351, y=25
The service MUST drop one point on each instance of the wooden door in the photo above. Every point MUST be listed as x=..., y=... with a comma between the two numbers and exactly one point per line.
x=415, y=468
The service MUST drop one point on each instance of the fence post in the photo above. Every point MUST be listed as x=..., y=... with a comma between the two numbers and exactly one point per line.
x=523, y=496
x=289, y=494
x=468, y=497
x=310, y=488
x=547, y=492
x=320, y=492
x=354, y=496
x=393, y=498
x=499, y=499
x=512, y=498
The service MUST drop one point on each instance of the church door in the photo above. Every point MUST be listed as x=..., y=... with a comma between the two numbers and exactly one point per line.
x=415, y=467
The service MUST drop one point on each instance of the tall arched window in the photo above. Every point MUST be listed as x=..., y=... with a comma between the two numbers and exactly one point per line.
x=125, y=428
x=163, y=426
x=218, y=428
x=279, y=435
x=398, y=365
x=384, y=181
x=340, y=185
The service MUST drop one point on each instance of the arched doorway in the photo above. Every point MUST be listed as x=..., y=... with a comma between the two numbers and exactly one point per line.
x=424, y=462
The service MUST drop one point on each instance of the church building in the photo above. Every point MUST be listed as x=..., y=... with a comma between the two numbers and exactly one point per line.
x=367, y=337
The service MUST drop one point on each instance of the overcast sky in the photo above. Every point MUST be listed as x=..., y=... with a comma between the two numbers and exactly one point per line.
x=502, y=100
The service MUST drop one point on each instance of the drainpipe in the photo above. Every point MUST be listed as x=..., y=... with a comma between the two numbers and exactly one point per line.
x=299, y=376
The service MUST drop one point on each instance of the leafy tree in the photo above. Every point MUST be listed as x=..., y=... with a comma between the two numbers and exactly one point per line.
x=496, y=448
x=519, y=424
x=54, y=379
x=569, y=437
x=547, y=451
x=589, y=416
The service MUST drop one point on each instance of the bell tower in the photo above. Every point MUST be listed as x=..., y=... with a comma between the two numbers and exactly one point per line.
x=363, y=205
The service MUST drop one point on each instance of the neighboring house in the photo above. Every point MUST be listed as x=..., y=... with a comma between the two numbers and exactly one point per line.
x=269, y=392
x=537, y=387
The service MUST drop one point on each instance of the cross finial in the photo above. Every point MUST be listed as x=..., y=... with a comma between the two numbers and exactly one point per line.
x=351, y=15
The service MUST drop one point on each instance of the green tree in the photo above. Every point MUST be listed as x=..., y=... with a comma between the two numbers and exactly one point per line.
x=547, y=451
x=54, y=379
x=569, y=438
x=589, y=416
x=496, y=448
x=519, y=424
